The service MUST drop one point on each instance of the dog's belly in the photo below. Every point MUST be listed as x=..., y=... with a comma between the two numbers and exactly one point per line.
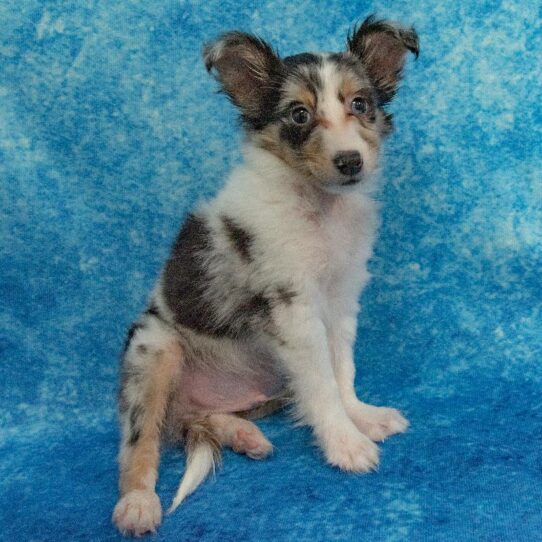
x=201, y=391
x=219, y=392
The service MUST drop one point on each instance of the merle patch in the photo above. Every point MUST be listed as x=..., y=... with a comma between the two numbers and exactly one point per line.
x=240, y=238
x=188, y=285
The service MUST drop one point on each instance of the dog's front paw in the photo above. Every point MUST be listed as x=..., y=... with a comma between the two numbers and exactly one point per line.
x=377, y=423
x=351, y=451
x=138, y=512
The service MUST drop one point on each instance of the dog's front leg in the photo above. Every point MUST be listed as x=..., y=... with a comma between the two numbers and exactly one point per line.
x=303, y=346
x=375, y=422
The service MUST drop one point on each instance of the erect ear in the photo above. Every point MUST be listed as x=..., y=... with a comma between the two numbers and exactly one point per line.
x=248, y=70
x=382, y=46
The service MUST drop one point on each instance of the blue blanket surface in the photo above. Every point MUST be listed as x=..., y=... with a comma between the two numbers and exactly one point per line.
x=110, y=131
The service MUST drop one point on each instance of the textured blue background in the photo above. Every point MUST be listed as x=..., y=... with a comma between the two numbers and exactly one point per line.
x=110, y=131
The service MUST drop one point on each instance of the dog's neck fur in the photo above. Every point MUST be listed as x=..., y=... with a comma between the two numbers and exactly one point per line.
x=315, y=233
x=294, y=185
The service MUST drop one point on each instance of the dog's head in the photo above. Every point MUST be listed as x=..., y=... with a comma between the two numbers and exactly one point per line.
x=323, y=114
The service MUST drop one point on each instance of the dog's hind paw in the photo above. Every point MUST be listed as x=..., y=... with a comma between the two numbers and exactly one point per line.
x=252, y=442
x=138, y=512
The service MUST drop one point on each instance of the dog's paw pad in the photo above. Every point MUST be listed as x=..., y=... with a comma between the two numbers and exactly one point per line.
x=138, y=512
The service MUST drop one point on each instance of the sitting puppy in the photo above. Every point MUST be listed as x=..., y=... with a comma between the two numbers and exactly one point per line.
x=256, y=307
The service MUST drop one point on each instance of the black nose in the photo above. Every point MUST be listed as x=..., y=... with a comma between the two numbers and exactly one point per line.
x=348, y=162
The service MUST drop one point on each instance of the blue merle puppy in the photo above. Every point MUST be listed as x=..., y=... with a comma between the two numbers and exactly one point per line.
x=256, y=307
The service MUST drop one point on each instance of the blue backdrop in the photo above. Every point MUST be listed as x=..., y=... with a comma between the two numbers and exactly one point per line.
x=110, y=131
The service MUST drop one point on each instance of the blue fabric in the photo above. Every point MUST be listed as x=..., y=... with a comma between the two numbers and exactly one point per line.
x=110, y=131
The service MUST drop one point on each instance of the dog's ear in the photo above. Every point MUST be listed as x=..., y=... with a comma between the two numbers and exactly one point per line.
x=249, y=71
x=382, y=46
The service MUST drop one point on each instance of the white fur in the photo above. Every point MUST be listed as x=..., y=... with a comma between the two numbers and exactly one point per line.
x=199, y=464
x=320, y=243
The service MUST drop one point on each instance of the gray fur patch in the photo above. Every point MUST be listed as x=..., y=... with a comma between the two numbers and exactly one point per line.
x=186, y=279
x=285, y=295
x=302, y=59
x=240, y=238
x=188, y=287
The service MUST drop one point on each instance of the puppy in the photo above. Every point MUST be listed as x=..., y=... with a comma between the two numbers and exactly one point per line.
x=257, y=304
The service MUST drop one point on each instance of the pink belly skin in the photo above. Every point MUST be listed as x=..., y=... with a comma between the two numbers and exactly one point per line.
x=206, y=391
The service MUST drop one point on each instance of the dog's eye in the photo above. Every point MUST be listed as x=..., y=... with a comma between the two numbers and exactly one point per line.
x=300, y=115
x=359, y=106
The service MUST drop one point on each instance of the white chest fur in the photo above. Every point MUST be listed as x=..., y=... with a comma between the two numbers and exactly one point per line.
x=300, y=233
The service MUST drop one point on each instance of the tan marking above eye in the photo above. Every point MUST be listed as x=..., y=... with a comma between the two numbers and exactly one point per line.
x=348, y=88
x=301, y=95
x=306, y=97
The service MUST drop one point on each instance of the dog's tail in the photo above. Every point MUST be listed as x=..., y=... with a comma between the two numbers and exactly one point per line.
x=202, y=455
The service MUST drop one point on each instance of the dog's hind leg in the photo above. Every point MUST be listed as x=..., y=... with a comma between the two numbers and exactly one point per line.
x=151, y=363
x=242, y=436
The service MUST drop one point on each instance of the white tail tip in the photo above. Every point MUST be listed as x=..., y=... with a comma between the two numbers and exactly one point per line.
x=200, y=462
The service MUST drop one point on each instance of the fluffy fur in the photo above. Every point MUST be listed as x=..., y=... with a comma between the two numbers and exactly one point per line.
x=256, y=306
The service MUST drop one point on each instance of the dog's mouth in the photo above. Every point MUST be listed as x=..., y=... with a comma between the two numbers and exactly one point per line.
x=338, y=184
x=350, y=182
x=341, y=186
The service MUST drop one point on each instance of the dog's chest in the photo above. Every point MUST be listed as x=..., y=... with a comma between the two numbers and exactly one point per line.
x=342, y=236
